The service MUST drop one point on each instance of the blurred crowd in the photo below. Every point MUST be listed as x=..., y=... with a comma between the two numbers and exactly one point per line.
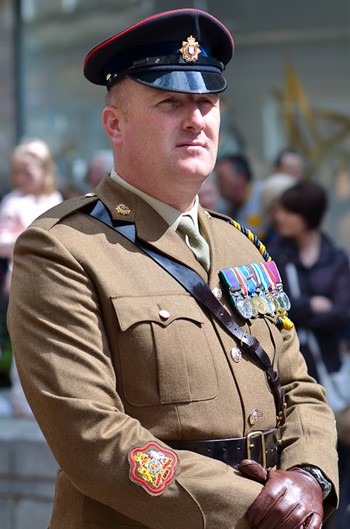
x=283, y=208
x=35, y=188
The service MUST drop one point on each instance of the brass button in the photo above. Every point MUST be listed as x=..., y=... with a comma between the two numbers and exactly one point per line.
x=254, y=416
x=236, y=354
x=164, y=314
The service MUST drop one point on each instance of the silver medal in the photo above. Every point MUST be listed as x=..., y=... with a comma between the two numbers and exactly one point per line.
x=244, y=308
x=283, y=300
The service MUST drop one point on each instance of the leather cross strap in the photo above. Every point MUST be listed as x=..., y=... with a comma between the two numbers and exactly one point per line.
x=198, y=288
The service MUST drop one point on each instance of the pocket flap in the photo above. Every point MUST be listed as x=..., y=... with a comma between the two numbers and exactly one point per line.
x=159, y=308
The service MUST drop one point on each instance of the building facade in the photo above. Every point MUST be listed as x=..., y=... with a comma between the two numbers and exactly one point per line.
x=289, y=82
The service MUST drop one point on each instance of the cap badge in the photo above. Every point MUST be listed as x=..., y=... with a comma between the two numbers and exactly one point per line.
x=122, y=209
x=190, y=49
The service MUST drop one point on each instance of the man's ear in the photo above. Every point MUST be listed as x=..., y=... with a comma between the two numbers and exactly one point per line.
x=111, y=121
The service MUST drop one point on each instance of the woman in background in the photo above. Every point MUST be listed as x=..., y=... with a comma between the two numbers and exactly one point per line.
x=34, y=192
x=315, y=274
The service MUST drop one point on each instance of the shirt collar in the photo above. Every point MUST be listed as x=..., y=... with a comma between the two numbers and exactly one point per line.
x=171, y=215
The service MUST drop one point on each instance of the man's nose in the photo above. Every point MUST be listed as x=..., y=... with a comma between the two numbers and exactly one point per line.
x=194, y=118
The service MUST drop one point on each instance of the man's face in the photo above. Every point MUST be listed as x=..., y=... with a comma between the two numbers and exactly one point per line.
x=288, y=223
x=292, y=164
x=168, y=140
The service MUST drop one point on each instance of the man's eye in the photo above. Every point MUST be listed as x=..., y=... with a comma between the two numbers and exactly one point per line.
x=207, y=101
x=169, y=101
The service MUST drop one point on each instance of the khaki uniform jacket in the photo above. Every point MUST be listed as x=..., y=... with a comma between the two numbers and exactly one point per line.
x=105, y=373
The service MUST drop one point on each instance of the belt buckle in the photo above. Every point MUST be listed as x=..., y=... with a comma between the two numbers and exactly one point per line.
x=251, y=445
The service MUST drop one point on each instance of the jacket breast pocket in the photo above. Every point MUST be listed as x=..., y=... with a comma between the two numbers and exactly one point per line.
x=164, y=351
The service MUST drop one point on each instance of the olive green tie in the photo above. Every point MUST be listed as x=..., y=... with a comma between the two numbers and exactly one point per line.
x=196, y=241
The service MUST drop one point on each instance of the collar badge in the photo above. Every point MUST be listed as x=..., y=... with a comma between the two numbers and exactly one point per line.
x=190, y=49
x=122, y=209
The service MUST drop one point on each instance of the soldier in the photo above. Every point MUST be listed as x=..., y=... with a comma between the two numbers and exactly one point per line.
x=136, y=317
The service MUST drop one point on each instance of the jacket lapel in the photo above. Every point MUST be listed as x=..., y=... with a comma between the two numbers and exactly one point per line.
x=124, y=206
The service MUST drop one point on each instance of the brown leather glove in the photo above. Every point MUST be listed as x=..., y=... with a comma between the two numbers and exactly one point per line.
x=290, y=499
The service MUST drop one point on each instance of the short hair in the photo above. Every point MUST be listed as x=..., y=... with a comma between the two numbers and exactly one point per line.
x=117, y=96
x=240, y=164
x=307, y=199
x=281, y=154
x=273, y=187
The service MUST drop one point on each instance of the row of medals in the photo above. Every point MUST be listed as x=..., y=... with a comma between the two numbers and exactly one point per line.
x=260, y=303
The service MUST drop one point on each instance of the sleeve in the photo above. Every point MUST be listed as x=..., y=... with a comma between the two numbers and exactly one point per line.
x=340, y=297
x=301, y=312
x=65, y=363
x=309, y=433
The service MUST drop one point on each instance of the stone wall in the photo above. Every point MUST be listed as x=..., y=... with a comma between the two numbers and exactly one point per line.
x=27, y=476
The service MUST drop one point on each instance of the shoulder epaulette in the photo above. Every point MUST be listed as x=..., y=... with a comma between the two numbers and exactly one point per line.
x=66, y=208
x=246, y=231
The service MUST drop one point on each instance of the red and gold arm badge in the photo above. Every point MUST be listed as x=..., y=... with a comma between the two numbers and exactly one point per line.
x=152, y=467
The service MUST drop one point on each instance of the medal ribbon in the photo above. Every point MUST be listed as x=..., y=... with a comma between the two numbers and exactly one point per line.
x=269, y=275
x=262, y=278
x=230, y=278
x=274, y=271
x=250, y=278
x=241, y=280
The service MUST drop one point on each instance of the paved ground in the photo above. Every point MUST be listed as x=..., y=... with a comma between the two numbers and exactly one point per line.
x=5, y=404
x=27, y=472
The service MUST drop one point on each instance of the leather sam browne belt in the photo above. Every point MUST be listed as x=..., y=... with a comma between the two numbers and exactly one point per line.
x=263, y=447
x=195, y=285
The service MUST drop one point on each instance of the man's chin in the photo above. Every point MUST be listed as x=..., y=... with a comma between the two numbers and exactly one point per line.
x=198, y=168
